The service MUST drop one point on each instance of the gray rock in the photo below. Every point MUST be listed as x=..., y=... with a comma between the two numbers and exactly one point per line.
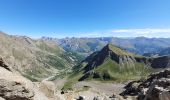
x=2, y=64
x=2, y=98
x=14, y=91
x=164, y=95
x=81, y=98
x=156, y=87
x=96, y=98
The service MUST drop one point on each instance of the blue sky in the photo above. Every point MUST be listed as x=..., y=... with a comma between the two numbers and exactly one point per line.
x=85, y=18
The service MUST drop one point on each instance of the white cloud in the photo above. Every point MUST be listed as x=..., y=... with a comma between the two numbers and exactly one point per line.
x=129, y=33
x=145, y=32
x=142, y=31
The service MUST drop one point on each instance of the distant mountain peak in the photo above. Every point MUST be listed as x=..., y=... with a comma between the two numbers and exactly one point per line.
x=116, y=50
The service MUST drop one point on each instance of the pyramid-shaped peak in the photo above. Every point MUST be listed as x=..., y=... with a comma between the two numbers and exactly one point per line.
x=117, y=50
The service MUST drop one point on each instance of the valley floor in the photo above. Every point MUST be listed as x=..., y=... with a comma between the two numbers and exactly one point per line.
x=90, y=90
x=107, y=88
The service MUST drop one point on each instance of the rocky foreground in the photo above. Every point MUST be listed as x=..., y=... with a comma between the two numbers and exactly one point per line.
x=13, y=86
x=155, y=87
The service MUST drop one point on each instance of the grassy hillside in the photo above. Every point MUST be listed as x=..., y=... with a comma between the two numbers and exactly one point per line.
x=110, y=64
x=35, y=59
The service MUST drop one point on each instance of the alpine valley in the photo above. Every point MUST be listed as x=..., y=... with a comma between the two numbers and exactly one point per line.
x=104, y=68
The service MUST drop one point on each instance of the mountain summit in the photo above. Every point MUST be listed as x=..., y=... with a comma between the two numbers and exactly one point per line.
x=109, y=52
x=113, y=62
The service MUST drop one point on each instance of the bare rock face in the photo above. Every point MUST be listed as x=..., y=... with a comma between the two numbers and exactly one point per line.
x=11, y=90
x=2, y=64
x=156, y=87
x=13, y=86
x=48, y=88
x=10, y=87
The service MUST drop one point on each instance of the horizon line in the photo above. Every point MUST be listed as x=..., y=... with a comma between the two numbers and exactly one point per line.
x=119, y=33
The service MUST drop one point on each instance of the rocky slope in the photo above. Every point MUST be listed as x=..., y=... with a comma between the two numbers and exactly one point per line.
x=155, y=87
x=15, y=87
x=35, y=59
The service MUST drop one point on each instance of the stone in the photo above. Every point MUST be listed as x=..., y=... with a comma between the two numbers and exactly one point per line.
x=48, y=88
x=13, y=86
x=81, y=98
x=2, y=98
x=96, y=98
x=155, y=87
x=14, y=91
x=113, y=96
x=62, y=92
x=2, y=64
x=164, y=95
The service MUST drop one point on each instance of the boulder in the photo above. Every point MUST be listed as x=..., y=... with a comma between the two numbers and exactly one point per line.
x=48, y=88
x=164, y=95
x=96, y=98
x=13, y=86
x=81, y=98
x=155, y=87
x=2, y=64
x=11, y=90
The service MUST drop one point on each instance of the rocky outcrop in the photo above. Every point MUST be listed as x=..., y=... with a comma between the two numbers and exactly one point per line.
x=2, y=64
x=13, y=86
x=48, y=88
x=11, y=90
x=156, y=87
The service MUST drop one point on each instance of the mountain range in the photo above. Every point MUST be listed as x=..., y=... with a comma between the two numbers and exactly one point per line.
x=138, y=45
x=105, y=59
x=39, y=58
